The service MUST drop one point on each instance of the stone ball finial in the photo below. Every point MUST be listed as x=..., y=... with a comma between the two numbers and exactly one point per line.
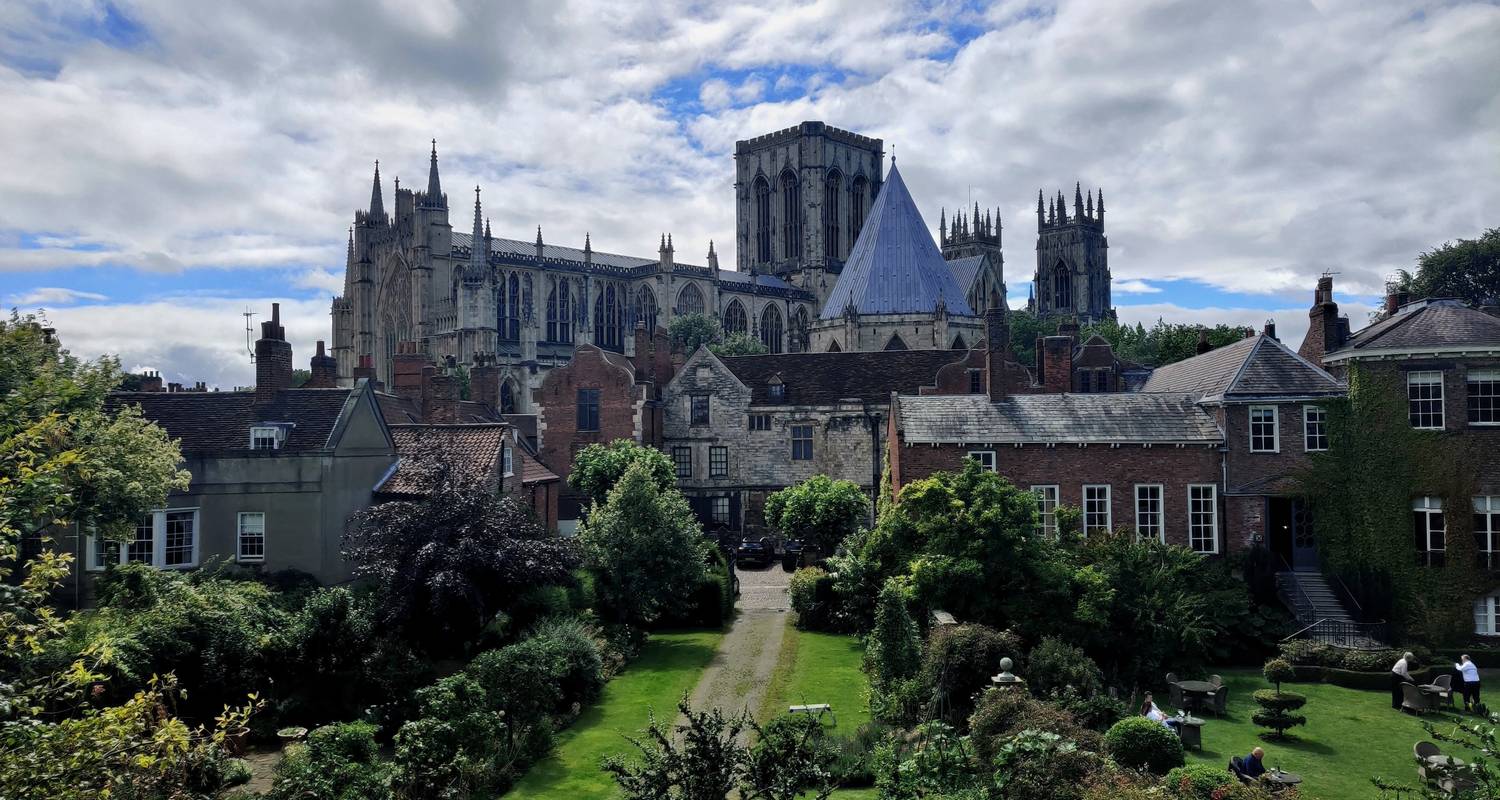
x=1006, y=664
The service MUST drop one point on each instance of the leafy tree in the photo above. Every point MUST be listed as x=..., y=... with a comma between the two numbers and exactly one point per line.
x=1468, y=269
x=1163, y=343
x=1277, y=707
x=67, y=459
x=646, y=546
x=1024, y=330
x=598, y=467
x=739, y=344
x=300, y=377
x=820, y=511
x=445, y=564
x=691, y=331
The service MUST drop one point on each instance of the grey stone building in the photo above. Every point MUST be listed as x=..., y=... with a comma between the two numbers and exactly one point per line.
x=1072, y=260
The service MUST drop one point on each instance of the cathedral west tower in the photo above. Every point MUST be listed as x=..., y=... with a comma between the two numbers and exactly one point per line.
x=1072, y=259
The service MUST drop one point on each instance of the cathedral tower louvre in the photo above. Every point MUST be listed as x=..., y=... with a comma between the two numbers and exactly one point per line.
x=1072, y=276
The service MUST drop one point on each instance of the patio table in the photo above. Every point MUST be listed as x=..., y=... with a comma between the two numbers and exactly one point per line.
x=1195, y=692
x=1189, y=730
x=1281, y=780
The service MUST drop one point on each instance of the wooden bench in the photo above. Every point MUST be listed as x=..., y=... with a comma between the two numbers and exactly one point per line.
x=816, y=709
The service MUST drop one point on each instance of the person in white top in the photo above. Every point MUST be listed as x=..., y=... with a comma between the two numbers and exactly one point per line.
x=1470, y=673
x=1151, y=711
x=1400, y=673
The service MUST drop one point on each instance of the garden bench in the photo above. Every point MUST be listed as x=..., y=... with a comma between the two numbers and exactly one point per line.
x=816, y=709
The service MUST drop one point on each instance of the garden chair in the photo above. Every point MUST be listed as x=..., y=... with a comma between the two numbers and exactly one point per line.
x=1425, y=750
x=1174, y=695
x=1445, y=682
x=1171, y=678
x=1216, y=680
x=1237, y=769
x=1413, y=700
x=1221, y=701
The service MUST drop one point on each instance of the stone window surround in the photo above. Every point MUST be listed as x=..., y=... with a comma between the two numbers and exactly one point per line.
x=158, y=542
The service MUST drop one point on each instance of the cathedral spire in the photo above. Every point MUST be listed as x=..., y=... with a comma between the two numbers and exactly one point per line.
x=539, y=248
x=1062, y=208
x=434, y=186
x=588, y=249
x=1089, y=203
x=1078, y=200
x=1051, y=211
x=1039, y=218
x=1101, y=204
x=713, y=259
x=476, y=249
x=349, y=257
x=943, y=227
x=377, y=204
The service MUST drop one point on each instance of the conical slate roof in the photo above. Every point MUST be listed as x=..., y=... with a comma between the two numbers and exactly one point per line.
x=895, y=266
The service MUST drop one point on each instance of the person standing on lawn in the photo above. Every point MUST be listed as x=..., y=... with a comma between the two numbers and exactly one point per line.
x=1400, y=673
x=1470, y=673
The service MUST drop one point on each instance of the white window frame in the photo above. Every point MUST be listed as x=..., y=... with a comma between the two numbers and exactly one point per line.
x=1046, y=508
x=158, y=543
x=1196, y=522
x=1487, y=615
x=507, y=461
x=275, y=433
x=1314, y=416
x=1274, y=422
x=240, y=537
x=1109, y=520
x=986, y=458
x=1425, y=378
x=1144, y=522
x=1482, y=376
x=1427, y=508
x=1487, y=530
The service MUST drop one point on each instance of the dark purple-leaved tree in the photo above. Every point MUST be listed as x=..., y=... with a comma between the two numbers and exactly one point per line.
x=445, y=563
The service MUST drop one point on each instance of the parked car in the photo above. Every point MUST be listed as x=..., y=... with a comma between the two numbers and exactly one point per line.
x=791, y=555
x=758, y=551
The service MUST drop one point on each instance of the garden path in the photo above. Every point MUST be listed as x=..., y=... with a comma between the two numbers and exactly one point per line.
x=740, y=673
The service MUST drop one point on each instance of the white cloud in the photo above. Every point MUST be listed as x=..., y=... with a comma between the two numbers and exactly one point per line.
x=1248, y=146
x=1133, y=286
x=50, y=296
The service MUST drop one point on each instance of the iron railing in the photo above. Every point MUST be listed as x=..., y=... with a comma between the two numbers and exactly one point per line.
x=1348, y=635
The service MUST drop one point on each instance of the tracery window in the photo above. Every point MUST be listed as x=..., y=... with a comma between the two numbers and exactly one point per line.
x=734, y=319
x=1062, y=286
x=857, y=198
x=645, y=309
x=560, y=312
x=770, y=329
x=609, y=318
x=690, y=300
x=831, y=191
x=762, y=220
x=791, y=216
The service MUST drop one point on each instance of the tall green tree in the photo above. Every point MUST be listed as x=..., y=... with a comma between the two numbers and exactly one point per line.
x=65, y=459
x=691, y=331
x=646, y=546
x=598, y=467
x=1468, y=269
x=739, y=344
x=820, y=511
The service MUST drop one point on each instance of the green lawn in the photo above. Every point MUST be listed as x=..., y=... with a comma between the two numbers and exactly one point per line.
x=668, y=667
x=1350, y=736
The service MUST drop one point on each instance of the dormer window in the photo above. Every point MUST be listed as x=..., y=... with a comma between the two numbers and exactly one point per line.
x=267, y=437
x=776, y=388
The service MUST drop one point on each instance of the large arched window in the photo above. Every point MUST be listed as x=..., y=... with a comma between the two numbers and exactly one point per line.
x=857, y=198
x=762, y=220
x=770, y=329
x=507, y=397
x=560, y=312
x=644, y=310
x=1062, y=286
x=690, y=300
x=832, y=188
x=791, y=215
x=510, y=312
x=735, y=320
x=797, y=331
x=609, y=319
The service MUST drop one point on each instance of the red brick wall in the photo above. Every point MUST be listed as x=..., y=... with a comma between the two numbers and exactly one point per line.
x=557, y=407
x=1070, y=467
x=1258, y=469
x=1056, y=355
x=1486, y=467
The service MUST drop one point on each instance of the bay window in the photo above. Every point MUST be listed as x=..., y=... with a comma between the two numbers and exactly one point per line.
x=166, y=539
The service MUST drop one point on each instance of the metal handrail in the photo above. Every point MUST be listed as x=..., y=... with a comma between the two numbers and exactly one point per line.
x=1338, y=633
x=1357, y=607
x=1306, y=600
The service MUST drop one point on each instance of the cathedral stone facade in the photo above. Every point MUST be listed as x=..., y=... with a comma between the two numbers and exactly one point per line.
x=1072, y=260
x=832, y=255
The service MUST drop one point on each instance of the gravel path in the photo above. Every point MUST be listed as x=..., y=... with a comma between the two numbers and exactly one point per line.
x=737, y=678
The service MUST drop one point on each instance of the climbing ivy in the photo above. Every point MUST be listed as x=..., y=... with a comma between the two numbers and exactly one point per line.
x=1360, y=493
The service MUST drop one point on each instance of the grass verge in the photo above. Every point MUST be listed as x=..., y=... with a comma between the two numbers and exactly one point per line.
x=668, y=667
x=1350, y=736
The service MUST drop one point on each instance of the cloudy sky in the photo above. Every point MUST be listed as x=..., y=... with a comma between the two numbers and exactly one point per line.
x=167, y=164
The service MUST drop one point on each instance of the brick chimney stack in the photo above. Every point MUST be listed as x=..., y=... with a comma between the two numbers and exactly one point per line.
x=484, y=380
x=406, y=373
x=1270, y=329
x=1055, y=362
x=1325, y=330
x=325, y=370
x=439, y=396
x=997, y=346
x=1203, y=345
x=366, y=370
x=151, y=381
x=273, y=358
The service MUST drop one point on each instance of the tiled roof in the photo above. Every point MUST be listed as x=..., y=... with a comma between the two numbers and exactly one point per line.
x=895, y=267
x=473, y=448
x=1255, y=367
x=965, y=270
x=532, y=470
x=826, y=378
x=1441, y=324
x=399, y=410
x=1057, y=419
x=217, y=422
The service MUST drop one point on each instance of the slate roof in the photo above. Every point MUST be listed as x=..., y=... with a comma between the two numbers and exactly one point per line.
x=220, y=422
x=826, y=378
x=1259, y=366
x=965, y=270
x=474, y=448
x=399, y=410
x=1438, y=324
x=895, y=267
x=516, y=247
x=1057, y=419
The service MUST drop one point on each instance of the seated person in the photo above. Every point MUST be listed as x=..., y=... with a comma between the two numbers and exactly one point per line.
x=1253, y=766
x=1150, y=711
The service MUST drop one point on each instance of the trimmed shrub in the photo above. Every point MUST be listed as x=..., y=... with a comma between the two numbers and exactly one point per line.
x=338, y=762
x=1054, y=665
x=1002, y=714
x=1277, y=671
x=1097, y=712
x=814, y=599
x=1140, y=743
x=959, y=663
x=1198, y=781
x=1276, y=711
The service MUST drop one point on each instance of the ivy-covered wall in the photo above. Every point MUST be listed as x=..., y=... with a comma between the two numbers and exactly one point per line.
x=1361, y=493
